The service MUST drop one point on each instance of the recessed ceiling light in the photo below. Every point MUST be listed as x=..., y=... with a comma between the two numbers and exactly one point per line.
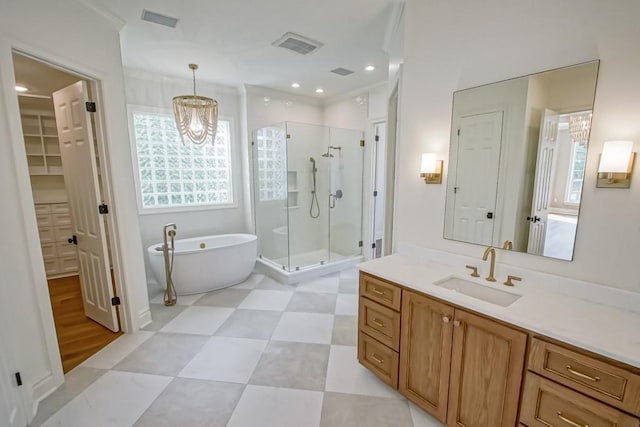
x=296, y=85
x=266, y=99
x=21, y=89
x=319, y=90
x=369, y=68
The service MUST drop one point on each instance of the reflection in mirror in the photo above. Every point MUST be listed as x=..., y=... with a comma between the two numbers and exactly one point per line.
x=517, y=160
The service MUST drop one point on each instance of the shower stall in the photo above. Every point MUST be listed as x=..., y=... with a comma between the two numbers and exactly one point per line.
x=307, y=195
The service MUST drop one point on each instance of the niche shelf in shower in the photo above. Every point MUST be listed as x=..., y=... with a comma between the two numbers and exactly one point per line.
x=292, y=180
x=292, y=199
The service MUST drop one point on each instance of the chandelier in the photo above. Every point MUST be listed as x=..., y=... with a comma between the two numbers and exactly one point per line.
x=196, y=116
x=579, y=127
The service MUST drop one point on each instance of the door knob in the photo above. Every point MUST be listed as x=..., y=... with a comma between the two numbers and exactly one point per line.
x=73, y=239
x=533, y=219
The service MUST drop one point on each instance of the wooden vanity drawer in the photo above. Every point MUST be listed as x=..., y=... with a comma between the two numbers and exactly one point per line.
x=380, y=291
x=598, y=379
x=380, y=322
x=379, y=359
x=547, y=404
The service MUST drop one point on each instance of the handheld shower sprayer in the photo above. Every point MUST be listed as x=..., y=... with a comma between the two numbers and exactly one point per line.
x=314, y=195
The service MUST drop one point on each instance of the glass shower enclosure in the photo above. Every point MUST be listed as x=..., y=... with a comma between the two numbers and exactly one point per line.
x=307, y=194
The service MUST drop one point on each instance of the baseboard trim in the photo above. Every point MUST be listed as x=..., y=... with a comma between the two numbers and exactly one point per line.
x=144, y=318
x=42, y=388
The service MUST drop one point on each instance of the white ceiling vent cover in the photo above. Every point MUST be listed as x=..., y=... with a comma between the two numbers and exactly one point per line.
x=342, y=71
x=297, y=43
x=157, y=18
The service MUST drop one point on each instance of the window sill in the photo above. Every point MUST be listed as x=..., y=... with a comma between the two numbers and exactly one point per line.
x=185, y=209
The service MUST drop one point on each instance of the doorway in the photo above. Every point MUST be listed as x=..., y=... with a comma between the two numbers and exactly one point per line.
x=62, y=186
x=379, y=168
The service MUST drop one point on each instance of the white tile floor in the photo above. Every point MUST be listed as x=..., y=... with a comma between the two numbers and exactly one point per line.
x=255, y=357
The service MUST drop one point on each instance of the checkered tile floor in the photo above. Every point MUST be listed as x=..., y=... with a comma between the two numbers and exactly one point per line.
x=256, y=354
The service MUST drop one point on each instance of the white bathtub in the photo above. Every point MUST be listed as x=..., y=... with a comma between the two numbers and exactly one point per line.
x=203, y=264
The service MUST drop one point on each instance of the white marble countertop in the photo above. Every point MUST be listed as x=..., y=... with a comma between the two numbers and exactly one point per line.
x=606, y=330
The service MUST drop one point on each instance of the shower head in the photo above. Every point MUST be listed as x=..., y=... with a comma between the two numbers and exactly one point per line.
x=312, y=160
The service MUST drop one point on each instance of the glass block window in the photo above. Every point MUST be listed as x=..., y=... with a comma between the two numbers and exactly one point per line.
x=271, y=158
x=576, y=174
x=173, y=174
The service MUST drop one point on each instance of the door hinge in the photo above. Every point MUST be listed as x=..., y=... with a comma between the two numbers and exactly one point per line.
x=455, y=190
x=253, y=143
x=373, y=245
x=115, y=301
x=362, y=143
x=360, y=244
x=377, y=138
x=458, y=132
x=103, y=208
x=375, y=193
x=288, y=136
x=90, y=106
x=18, y=379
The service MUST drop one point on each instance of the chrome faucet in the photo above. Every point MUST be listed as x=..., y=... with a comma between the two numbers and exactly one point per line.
x=491, y=251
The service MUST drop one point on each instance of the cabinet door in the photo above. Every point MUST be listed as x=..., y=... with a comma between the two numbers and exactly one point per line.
x=425, y=352
x=486, y=372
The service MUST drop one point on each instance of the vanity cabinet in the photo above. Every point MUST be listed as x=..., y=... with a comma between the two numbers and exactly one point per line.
x=461, y=368
x=564, y=387
x=425, y=352
x=379, y=328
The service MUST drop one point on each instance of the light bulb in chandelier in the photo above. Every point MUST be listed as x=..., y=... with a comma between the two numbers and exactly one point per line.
x=196, y=116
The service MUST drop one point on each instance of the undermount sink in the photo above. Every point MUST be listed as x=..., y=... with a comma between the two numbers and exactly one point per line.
x=475, y=290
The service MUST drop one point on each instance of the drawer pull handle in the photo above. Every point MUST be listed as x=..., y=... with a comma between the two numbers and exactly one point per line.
x=581, y=375
x=446, y=319
x=457, y=323
x=570, y=422
x=378, y=359
x=377, y=323
x=376, y=291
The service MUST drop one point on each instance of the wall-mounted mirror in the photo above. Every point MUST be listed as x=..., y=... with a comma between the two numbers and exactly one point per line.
x=517, y=159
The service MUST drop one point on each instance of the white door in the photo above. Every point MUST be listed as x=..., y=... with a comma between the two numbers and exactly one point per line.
x=81, y=180
x=475, y=190
x=543, y=182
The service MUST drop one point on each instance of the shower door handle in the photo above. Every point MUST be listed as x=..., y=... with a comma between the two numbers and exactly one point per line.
x=333, y=197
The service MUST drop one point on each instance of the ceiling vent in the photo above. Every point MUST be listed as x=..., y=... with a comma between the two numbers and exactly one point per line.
x=157, y=18
x=342, y=71
x=297, y=43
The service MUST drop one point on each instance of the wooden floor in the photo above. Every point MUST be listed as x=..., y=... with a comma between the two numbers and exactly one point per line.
x=78, y=336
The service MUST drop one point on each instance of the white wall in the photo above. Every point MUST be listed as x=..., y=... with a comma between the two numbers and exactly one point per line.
x=67, y=33
x=150, y=90
x=452, y=46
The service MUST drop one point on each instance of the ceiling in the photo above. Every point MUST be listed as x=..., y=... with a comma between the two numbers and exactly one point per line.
x=231, y=41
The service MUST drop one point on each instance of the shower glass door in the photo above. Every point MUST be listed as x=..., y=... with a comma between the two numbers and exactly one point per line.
x=270, y=193
x=345, y=197
x=307, y=195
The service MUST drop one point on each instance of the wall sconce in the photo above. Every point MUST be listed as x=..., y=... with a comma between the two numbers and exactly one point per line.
x=431, y=169
x=616, y=165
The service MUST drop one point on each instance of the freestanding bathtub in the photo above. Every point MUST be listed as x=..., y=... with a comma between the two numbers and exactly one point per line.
x=203, y=264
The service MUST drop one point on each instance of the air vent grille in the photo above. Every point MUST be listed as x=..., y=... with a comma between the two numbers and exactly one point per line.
x=342, y=71
x=157, y=18
x=297, y=43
